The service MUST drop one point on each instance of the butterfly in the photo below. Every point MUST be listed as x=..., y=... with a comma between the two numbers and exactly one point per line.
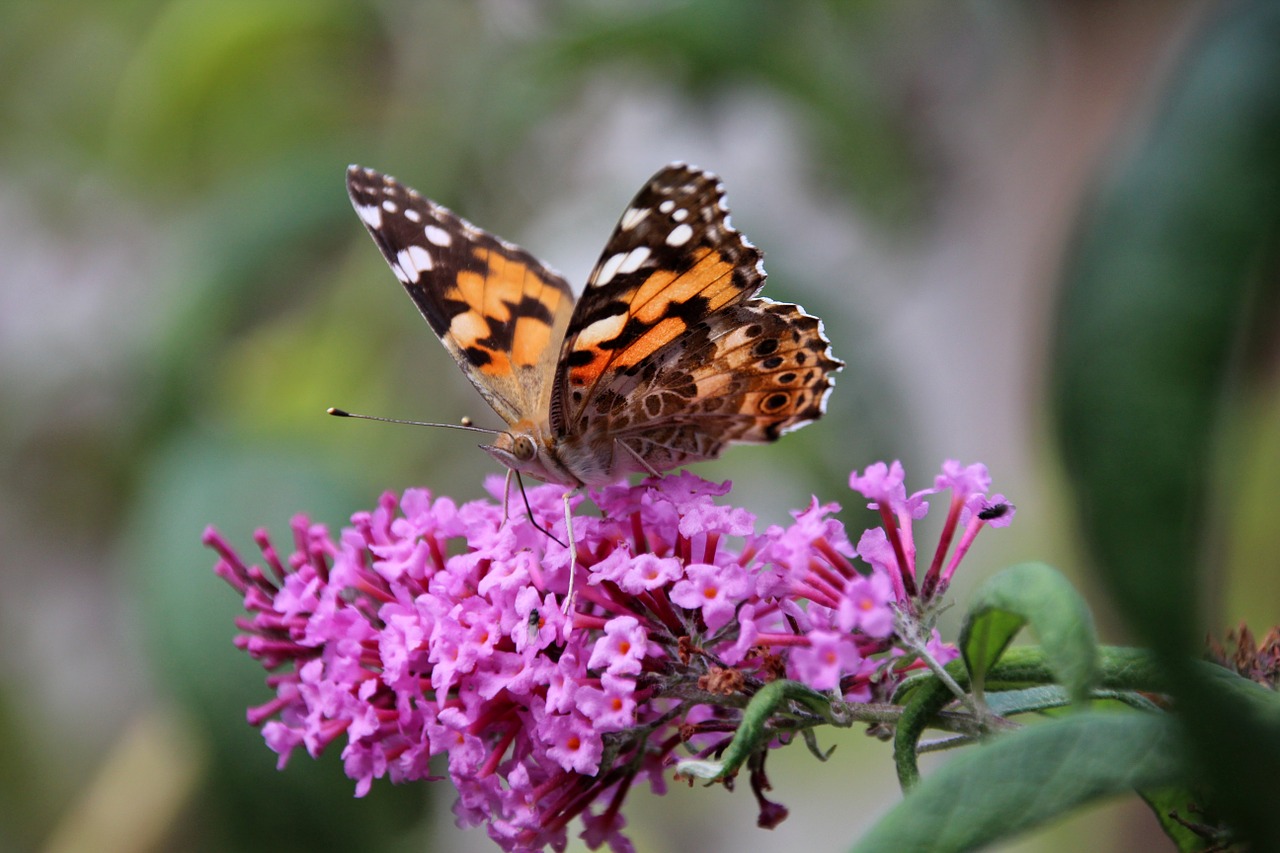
x=666, y=358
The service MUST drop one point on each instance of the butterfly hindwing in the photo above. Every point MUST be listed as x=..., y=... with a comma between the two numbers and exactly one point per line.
x=748, y=373
x=498, y=310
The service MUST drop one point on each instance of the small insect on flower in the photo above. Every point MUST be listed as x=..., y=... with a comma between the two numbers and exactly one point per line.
x=993, y=512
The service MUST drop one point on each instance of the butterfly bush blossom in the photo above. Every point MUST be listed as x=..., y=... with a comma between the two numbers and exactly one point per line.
x=428, y=628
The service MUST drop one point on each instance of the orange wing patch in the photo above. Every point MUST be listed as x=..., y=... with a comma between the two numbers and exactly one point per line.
x=710, y=277
x=663, y=332
x=506, y=313
x=657, y=312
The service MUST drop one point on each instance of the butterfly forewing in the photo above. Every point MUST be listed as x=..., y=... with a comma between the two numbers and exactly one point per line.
x=500, y=312
x=672, y=260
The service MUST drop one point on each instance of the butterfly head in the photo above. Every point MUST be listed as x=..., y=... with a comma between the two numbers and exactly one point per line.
x=525, y=450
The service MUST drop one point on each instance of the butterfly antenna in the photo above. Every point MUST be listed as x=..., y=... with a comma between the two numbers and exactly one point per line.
x=465, y=425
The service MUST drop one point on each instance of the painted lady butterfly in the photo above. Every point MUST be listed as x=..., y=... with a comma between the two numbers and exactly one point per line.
x=667, y=357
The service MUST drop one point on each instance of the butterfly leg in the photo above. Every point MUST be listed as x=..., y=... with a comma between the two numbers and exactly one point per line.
x=653, y=472
x=568, y=526
x=506, y=496
x=573, y=550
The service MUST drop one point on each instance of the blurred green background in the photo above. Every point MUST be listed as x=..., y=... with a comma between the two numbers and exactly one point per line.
x=962, y=190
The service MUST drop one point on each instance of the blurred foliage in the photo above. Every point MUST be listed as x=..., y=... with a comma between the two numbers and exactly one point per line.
x=1168, y=273
x=819, y=56
x=214, y=134
x=246, y=805
x=219, y=89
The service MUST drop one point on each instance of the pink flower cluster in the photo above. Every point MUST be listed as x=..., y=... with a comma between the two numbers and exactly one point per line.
x=429, y=628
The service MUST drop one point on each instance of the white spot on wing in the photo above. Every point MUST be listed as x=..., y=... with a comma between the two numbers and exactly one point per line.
x=467, y=326
x=412, y=215
x=667, y=206
x=608, y=269
x=389, y=206
x=680, y=215
x=634, y=259
x=633, y=217
x=792, y=427
x=601, y=330
x=437, y=235
x=679, y=235
x=371, y=215
x=421, y=257
x=415, y=260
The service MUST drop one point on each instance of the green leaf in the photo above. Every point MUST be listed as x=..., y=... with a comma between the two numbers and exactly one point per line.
x=215, y=89
x=1164, y=275
x=1007, y=703
x=1023, y=668
x=754, y=732
x=1020, y=780
x=1165, y=802
x=926, y=700
x=1035, y=594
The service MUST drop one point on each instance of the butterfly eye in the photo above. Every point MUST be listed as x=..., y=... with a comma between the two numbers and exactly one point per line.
x=522, y=448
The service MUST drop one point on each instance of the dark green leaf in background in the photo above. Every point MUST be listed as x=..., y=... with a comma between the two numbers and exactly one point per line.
x=1159, y=289
x=188, y=627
